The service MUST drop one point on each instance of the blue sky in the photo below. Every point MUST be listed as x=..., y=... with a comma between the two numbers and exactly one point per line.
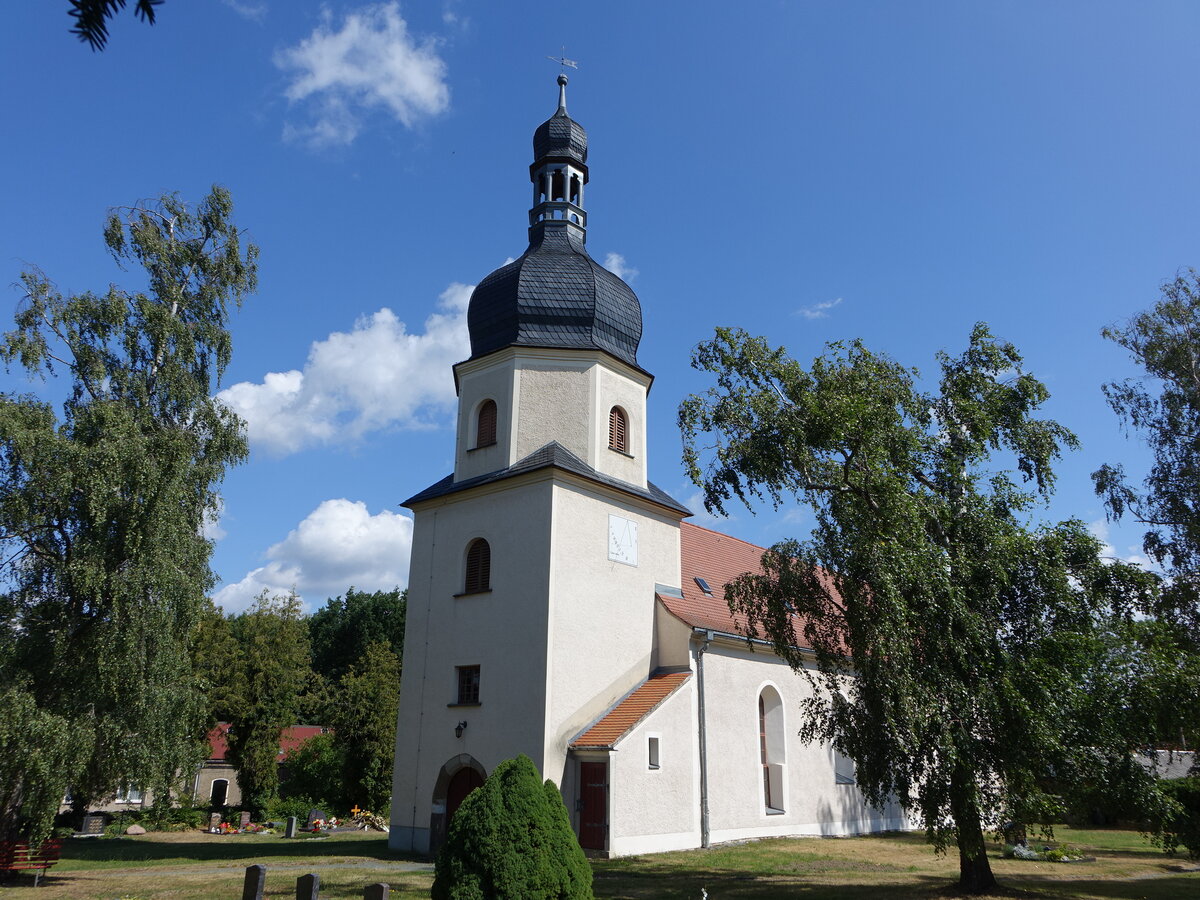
x=811, y=171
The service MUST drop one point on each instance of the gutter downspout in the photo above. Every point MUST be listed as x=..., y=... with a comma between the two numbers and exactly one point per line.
x=700, y=650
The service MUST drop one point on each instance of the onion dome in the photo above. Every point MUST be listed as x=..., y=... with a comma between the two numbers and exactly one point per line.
x=556, y=295
x=560, y=136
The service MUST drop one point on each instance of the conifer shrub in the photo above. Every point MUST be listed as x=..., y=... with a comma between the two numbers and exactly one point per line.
x=512, y=840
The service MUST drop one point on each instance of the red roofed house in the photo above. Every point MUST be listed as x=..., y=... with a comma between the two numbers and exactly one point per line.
x=558, y=605
x=216, y=780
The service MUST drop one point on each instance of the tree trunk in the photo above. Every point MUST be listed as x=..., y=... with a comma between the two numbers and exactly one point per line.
x=974, y=870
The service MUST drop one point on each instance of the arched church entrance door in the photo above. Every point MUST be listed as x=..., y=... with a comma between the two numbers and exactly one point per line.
x=462, y=783
x=458, y=777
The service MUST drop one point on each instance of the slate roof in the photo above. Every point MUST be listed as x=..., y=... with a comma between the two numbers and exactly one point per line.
x=560, y=136
x=555, y=295
x=551, y=454
x=630, y=710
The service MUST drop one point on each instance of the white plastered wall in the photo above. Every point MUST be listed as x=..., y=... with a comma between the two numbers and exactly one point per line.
x=602, y=612
x=553, y=405
x=655, y=810
x=477, y=383
x=620, y=386
x=503, y=631
x=545, y=395
x=814, y=804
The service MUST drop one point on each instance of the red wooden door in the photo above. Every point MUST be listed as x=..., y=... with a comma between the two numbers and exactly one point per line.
x=462, y=783
x=593, y=805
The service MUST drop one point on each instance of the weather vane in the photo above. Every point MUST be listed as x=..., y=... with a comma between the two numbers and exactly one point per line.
x=563, y=61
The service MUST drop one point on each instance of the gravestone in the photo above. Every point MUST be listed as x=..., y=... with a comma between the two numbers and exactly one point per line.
x=214, y=823
x=244, y=819
x=315, y=815
x=252, y=887
x=93, y=823
x=376, y=892
x=307, y=887
x=291, y=828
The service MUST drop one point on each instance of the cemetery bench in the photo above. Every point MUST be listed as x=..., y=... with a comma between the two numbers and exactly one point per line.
x=20, y=857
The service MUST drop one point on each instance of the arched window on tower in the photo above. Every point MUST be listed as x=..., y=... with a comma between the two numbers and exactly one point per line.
x=479, y=567
x=618, y=430
x=485, y=430
x=771, y=749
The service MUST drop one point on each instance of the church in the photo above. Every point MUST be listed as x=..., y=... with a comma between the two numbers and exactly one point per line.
x=560, y=606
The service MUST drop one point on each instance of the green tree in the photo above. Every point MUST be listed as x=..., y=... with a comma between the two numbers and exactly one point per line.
x=344, y=627
x=91, y=17
x=951, y=641
x=314, y=773
x=364, y=725
x=1164, y=408
x=270, y=672
x=511, y=838
x=215, y=662
x=102, y=509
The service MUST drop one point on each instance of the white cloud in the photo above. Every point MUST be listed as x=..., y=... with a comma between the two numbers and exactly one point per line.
x=254, y=11
x=376, y=376
x=701, y=516
x=1133, y=555
x=371, y=62
x=338, y=545
x=211, y=527
x=818, y=310
x=616, y=264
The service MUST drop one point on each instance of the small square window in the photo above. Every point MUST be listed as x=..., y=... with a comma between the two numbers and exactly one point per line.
x=652, y=752
x=468, y=684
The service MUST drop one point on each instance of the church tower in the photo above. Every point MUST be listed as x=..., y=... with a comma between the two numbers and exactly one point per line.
x=534, y=566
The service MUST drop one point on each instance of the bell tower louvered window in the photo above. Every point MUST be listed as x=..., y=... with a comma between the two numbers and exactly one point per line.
x=479, y=567
x=618, y=430
x=485, y=432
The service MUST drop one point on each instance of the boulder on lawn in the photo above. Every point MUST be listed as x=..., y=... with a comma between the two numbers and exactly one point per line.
x=135, y=829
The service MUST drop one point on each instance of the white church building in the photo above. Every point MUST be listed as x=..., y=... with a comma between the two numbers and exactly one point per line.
x=560, y=606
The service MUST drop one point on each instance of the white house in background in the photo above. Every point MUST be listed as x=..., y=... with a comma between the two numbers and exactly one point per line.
x=558, y=605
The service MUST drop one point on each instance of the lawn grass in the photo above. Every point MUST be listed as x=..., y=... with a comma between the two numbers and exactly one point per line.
x=902, y=866
x=196, y=866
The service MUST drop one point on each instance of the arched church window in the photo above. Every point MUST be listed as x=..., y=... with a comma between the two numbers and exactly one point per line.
x=771, y=749
x=485, y=431
x=618, y=430
x=479, y=567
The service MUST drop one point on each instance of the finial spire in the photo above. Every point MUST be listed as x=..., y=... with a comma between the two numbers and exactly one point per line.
x=562, y=94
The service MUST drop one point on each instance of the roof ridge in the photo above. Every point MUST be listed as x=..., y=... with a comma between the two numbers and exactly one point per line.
x=732, y=537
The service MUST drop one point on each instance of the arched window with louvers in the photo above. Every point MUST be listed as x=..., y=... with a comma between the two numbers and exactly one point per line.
x=618, y=430
x=485, y=424
x=479, y=567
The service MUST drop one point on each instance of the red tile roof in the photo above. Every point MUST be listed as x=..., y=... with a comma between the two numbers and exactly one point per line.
x=718, y=559
x=643, y=700
x=289, y=740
